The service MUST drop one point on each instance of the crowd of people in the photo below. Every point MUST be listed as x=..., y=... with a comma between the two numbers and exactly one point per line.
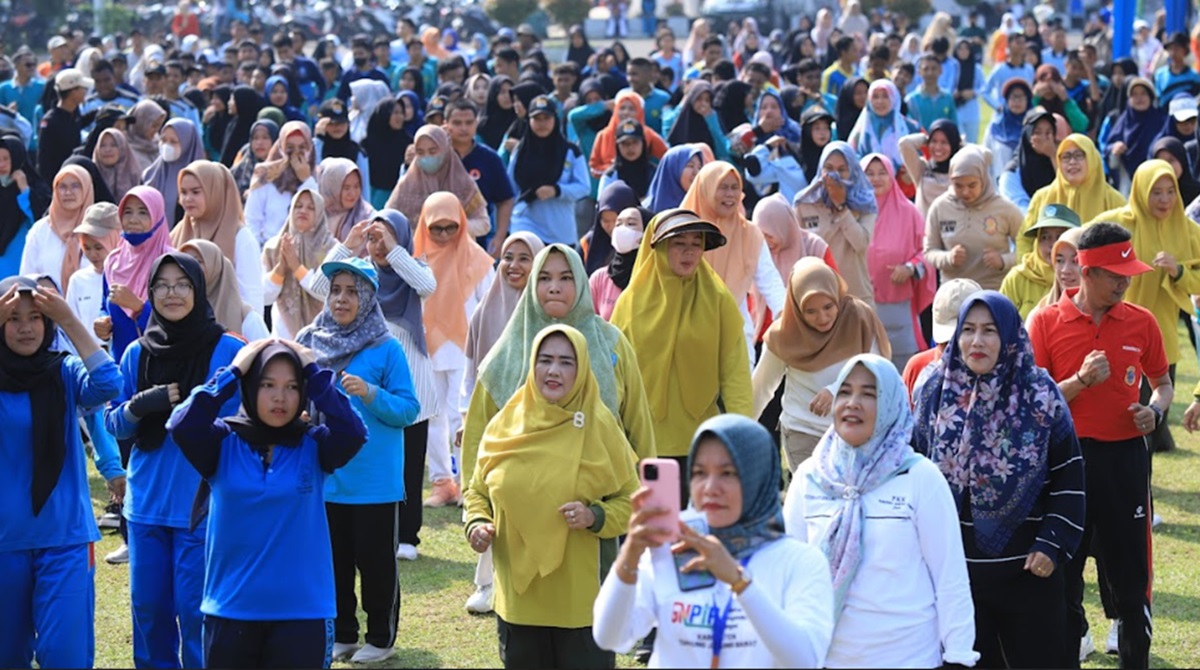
x=910, y=362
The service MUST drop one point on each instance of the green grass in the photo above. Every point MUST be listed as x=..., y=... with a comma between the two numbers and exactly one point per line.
x=435, y=631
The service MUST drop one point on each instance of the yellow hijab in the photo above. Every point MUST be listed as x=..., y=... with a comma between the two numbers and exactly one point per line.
x=672, y=324
x=1174, y=234
x=536, y=456
x=1035, y=268
x=1087, y=200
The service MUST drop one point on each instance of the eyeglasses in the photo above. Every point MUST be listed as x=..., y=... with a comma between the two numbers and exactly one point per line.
x=182, y=290
x=444, y=231
x=1073, y=157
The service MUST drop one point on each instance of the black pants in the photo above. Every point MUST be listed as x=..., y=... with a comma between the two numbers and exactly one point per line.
x=546, y=647
x=1118, y=521
x=365, y=537
x=299, y=643
x=1161, y=439
x=412, y=513
x=126, y=449
x=1020, y=619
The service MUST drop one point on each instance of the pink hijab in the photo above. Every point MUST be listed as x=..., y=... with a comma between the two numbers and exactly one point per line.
x=130, y=263
x=899, y=238
x=775, y=217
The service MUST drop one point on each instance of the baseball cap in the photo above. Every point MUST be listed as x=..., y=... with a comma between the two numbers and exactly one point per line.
x=71, y=78
x=542, y=105
x=437, y=105
x=56, y=42
x=335, y=111
x=156, y=70
x=1054, y=216
x=99, y=221
x=630, y=129
x=1118, y=258
x=946, y=304
x=359, y=266
x=526, y=29
x=115, y=112
x=673, y=222
x=1140, y=24
x=1183, y=108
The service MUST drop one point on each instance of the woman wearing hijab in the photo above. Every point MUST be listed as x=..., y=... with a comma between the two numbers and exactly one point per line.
x=549, y=531
x=24, y=197
x=352, y=338
x=1116, y=97
x=289, y=263
x=216, y=119
x=366, y=94
x=580, y=52
x=1079, y=184
x=1013, y=464
x=850, y=103
x=244, y=106
x=633, y=166
x=597, y=244
x=181, y=348
x=816, y=131
x=213, y=211
x=261, y=605
x=606, y=283
x=730, y=99
x=821, y=33
x=179, y=146
x=550, y=173
x=821, y=327
x=1003, y=136
x=436, y=167
x=148, y=118
x=628, y=105
x=882, y=125
x=743, y=262
x=904, y=283
x=970, y=229
x=840, y=207
x=697, y=121
x=1128, y=142
x=51, y=246
x=931, y=175
x=1171, y=150
x=287, y=170
x=674, y=176
x=771, y=119
x=896, y=535
x=498, y=113
x=413, y=79
x=263, y=135
x=341, y=186
x=780, y=600
x=1065, y=257
x=231, y=312
x=101, y=192
x=387, y=141
x=1030, y=280
x=46, y=539
x=116, y=165
x=1032, y=166
x=968, y=89
x=278, y=94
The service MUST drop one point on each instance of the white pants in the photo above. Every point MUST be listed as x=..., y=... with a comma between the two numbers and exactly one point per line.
x=443, y=425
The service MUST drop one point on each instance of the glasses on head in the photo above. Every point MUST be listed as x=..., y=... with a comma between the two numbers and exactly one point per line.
x=1073, y=157
x=182, y=290
x=444, y=231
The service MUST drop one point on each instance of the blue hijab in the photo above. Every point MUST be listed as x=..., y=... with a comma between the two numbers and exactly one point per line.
x=790, y=130
x=290, y=111
x=414, y=102
x=400, y=302
x=1006, y=127
x=665, y=190
x=859, y=194
x=756, y=458
x=990, y=434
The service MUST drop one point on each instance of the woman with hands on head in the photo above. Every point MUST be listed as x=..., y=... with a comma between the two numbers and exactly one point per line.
x=268, y=586
x=550, y=495
x=351, y=337
x=47, y=535
x=769, y=600
x=182, y=347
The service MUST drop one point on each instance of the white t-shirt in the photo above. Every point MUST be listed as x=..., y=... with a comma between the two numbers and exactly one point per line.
x=85, y=296
x=909, y=605
x=784, y=619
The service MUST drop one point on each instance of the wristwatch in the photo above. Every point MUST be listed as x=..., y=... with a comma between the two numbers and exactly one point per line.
x=742, y=583
x=1158, y=415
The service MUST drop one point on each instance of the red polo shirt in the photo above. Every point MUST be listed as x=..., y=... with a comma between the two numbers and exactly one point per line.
x=1063, y=336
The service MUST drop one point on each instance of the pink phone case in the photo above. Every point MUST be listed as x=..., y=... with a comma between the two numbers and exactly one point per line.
x=664, y=493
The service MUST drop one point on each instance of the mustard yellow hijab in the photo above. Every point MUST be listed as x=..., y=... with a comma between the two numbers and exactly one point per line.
x=1087, y=200
x=672, y=324
x=536, y=456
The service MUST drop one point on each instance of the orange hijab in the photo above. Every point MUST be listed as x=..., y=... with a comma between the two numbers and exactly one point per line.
x=604, y=149
x=458, y=265
x=64, y=223
x=737, y=261
x=222, y=217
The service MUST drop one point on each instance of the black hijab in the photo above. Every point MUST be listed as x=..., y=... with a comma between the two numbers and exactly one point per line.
x=579, y=55
x=419, y=79
x=792, y=104
x=99, y=186
x=1036, y=170
x=39, y=375
x=615, y=197
x=525, y=91
x=620, y=268
x=689, y=126
x=810, y=153
x=540, y=160
x=11, y=216
x=495, y=120
x=1117, y=97
x=237, y=133
x=343, y=147
x=247, y=425
x=729, y=99
x=636, y=173
x=1189, y=188
x=846, y=111
x=950, y=131
x=220, y=123
x=176, y=351
x=385, y=146
x=966, y=68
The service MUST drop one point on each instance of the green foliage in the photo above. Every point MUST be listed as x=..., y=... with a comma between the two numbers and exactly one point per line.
x=117, y=18
x=510, y=12
x=567, y=13
x=913, y=9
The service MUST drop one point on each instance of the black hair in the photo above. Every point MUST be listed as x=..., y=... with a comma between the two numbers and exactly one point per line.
x=1102, y=234
x=881, y=52
x=102, y=65
x=282, y=40
x=566, y=68
x=807, y=65
x=508, y=54
x=757, y=67
x=940, y=45
x=360, y=41
x=451, y=64
x=907, y=67
x=640, y=62
x=460, y=105
x=725, y=70
x=175, y=65
x=712, y=40
x=843, y=44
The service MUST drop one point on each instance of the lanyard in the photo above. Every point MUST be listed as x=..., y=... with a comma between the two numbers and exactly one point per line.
x=719, y=621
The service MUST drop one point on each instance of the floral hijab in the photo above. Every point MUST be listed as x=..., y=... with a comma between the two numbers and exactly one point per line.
x=334, y=345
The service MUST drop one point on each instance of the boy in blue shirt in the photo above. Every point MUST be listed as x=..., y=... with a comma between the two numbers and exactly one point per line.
x=930, y=103
x=640, y=72
x=485, y=167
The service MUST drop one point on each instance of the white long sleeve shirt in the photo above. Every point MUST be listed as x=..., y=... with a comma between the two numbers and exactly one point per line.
x=909, y=605
x=784, y=619
x=802, y=386
x=247, y=265
x=267, y=209
x=44, y=252
x=770, y=286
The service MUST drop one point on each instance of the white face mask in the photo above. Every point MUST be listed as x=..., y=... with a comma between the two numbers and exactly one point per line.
x=169, y=152
x=625, y=239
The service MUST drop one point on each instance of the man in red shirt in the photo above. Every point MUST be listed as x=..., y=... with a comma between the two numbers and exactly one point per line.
x=1098, y=347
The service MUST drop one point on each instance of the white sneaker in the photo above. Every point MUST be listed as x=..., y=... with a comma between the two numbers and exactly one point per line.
x=480, y=602
x=1156, y=521
x=119, y=556
x=406, y=552
x=372, y=654
x=1086, y=646
x=1113, y=643
x=342, y=650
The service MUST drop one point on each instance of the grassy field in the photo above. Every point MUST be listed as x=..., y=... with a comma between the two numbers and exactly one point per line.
x=435, y=631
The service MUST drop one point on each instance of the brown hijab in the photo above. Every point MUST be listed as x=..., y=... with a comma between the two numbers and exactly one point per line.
x=220, y=280
x=222, y=217
x=855, y=330
x=415, y=187
x=297, y=307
